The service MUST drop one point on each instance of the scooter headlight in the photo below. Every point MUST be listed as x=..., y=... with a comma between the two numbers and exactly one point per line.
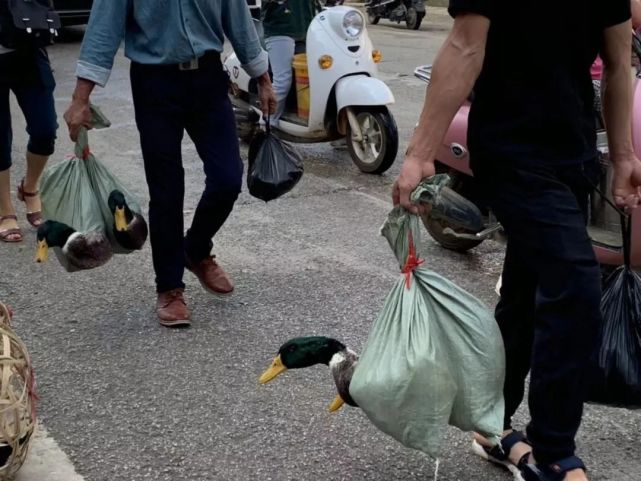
x=353, y=24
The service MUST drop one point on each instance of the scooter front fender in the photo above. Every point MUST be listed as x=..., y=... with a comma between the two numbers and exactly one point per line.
x=362, y=91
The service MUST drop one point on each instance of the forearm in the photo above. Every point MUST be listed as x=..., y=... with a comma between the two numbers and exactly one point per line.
x=636, y=14
x=83, y=90
x=617, y=91
x=454, y=73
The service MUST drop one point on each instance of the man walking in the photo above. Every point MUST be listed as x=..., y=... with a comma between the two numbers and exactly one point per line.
x=532, y=142
x=178, y=84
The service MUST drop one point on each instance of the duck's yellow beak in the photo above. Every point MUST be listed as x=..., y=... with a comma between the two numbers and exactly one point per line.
x=274, y=370
x=120, y=219
x=43, y=251
x=337, y=403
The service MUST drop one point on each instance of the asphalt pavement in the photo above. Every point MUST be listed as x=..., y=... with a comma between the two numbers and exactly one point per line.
x=128, y=400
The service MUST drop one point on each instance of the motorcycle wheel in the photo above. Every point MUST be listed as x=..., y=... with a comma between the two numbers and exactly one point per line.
x=413, y=19
x=373, y=18
x=435, y=227
x=377, y=151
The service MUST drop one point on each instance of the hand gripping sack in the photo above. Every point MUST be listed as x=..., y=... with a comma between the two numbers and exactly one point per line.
x=274, y=166
x=68, y=197
x=434, y=356
x=103, y=183
x=616, y=378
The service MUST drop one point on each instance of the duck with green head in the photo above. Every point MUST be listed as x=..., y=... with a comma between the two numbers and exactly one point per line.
x=304, y=352
x=129, y=228
x=81, y=251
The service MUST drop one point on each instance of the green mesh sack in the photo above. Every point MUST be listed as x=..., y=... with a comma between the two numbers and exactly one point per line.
x=434, y=356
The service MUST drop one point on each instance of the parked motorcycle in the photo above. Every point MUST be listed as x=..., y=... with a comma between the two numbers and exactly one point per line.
x=453, y=158
x=335, y=93
x=411, y=12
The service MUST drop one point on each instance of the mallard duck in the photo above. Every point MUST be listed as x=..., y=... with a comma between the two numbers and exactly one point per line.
x=81, y=251
x=307, y=351
x=129, y=228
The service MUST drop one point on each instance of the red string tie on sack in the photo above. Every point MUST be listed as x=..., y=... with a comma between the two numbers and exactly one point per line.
x=411, y=263
x=86, y=153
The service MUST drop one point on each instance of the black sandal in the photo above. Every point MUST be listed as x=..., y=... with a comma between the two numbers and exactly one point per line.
x=551, y=472
x=500, y=454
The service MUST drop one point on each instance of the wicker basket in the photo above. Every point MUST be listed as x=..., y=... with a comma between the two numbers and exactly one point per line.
x=17, y=399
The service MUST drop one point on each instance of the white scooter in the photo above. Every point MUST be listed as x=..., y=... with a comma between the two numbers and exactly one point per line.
x=345, y=97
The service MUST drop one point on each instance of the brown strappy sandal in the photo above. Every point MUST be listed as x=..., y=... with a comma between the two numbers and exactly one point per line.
x=10, y=236
x=34, y=218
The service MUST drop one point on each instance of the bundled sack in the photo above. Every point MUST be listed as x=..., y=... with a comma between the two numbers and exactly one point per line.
x=90, y=215
x=124, y=224
x=616, y=377
x=275, y=167
x=434, y=356
x=74, y=227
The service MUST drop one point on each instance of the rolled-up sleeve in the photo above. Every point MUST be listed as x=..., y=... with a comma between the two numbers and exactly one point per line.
x=102, y=39
x=479, y=7
x=616, y=12
x=241, y=32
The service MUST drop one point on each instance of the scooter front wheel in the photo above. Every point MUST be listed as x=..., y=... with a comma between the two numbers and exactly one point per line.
x=376, y=151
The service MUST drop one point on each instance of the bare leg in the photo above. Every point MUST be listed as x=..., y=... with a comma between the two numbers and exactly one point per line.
x=6, y=207
x=35, y=167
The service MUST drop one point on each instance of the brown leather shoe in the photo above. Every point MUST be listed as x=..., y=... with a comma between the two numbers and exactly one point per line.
x=212, y=277
x=172, y=310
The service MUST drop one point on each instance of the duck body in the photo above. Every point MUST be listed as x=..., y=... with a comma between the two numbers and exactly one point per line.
x=76, y=251
x=342, y=366
x=129, y=228
x=87, y=251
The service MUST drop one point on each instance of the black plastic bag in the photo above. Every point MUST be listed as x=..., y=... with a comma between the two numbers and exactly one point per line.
x=616, y=378
x=275, y=167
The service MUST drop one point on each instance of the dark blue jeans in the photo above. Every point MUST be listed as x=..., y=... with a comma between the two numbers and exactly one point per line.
x=549, y=312
x=169, y=102
x=29, y=76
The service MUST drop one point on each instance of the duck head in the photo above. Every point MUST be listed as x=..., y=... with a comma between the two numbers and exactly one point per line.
x=120, y=210
x=304, y=352
x=51, y=234
x=300, y=353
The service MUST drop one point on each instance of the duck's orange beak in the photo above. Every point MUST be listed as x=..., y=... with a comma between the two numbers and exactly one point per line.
x=274, y=370
x=337, y=403
x=42, y=254
x=120, y=219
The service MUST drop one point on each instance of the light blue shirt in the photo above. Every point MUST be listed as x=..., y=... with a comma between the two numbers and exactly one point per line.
x=160, y=32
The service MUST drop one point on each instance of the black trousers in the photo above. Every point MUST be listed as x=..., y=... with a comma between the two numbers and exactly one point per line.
x=168, y=102
x=549, y=312
x=28, y=74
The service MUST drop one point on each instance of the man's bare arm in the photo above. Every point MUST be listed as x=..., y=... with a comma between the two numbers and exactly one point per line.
x=617, y=112
x=617, y=89
x=456, y=68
